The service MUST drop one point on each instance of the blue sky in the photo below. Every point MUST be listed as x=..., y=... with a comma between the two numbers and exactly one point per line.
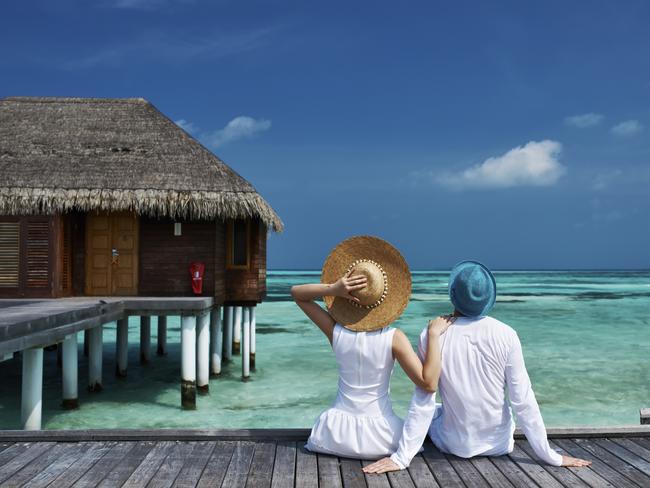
x=510, y=132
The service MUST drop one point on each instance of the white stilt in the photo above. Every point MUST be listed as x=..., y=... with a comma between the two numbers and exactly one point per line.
x=162, y=335
x=203, y=354
x=246, y=344
x=188, y=362
x=236, y=338
x=216, y=341
x=227, y=336
x=70, y=372
x=95, y=352
x=32, y=392
x=122, y=347
x=86, y=343
x=253, y=339
x=145, y=339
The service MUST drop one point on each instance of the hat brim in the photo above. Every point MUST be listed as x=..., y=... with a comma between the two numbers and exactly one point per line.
x=398, y=282
x=452, y=277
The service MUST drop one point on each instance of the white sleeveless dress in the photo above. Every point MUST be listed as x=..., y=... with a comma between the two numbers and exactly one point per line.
x=361, y=423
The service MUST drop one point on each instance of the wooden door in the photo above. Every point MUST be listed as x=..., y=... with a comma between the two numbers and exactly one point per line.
x=112, y=254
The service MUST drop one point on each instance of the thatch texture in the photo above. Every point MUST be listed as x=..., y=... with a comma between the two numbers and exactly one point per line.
x=59, y=154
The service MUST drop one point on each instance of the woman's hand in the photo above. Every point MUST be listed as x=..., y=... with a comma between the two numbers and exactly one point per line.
x=382, y=466
x=569, y=461
x=439, y=325
x=346, y=284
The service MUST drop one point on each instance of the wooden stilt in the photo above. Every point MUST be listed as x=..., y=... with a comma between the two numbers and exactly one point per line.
x=122, y=347
x=227, y=336
x=216, y=341
x=70, y=372
x=162, y=335
x=253, y=338
x=95, y=353
x=203, y=354
x=145, y=339
x=188, y=362
x=59, y=355
x=32, y=389
x=236, y=341
x=246, y=343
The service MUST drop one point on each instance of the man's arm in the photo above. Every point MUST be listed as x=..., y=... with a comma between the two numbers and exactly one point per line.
x=416, y=424
x=524, y=404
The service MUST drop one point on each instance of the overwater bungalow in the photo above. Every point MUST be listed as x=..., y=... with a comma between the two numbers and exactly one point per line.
x=111, y=197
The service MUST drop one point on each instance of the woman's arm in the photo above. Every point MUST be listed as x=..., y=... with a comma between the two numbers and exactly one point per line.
x=425, y=375
x=304, y=296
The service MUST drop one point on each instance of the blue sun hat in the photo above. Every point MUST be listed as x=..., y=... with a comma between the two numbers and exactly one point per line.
x=472, y=288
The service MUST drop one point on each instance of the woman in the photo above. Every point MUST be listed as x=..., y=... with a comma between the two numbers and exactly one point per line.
x=360, y=308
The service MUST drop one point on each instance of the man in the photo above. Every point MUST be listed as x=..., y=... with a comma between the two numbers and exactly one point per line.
x=481, y=357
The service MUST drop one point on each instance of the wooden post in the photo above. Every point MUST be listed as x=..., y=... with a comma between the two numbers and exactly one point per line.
x=70, y=372
x=216, y=341
x=253, y=339
x=95, y=353
x=246, y=343
x=145, y=339
x=162, y=335
x=122, y=347
x=32, y=389
x=188, y=362
x=227, y=336
x=236, y=341
x=203, y=354
x=645, y=416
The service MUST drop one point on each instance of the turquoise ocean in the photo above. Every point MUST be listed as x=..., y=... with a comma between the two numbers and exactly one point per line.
x=585, y=335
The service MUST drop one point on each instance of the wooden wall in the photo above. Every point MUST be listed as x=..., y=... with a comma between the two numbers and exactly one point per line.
x=248, y=286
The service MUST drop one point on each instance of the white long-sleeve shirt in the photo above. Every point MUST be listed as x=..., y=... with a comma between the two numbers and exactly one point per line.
x=480, y=358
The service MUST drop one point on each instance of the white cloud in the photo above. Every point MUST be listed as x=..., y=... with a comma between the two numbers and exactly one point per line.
x=627, y=128
x=583, y=121
x=238, y=128
x=533, y=164
x=186, y=126
x=603, y=179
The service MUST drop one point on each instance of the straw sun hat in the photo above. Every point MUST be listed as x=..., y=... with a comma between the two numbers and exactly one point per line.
x=387, y=289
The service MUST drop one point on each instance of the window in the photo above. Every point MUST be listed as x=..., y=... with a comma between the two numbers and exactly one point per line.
x=238, y=244
x=9, y=254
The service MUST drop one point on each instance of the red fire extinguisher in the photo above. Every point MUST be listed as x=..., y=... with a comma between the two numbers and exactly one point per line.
x=196, y=272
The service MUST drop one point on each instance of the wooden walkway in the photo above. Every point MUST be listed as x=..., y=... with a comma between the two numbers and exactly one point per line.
x=617, y=462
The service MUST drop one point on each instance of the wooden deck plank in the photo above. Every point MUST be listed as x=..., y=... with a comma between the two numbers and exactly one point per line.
x=82, y=464
x=535, y=472
x=306, y=467
x=511, y=471
x=215, y=469
x=570, y=477
x=632, y=446
x=629, y=457
x=25, y=457
x=261, y=469
x=644, y=442
x=284, y=469
x=351, y=473
x=98, y=471
x=5, y=445
x=375, y=480
x=171, y=466
x=194, y=465
x=608, y=474
x=149, y=464
x=614, y=461
x=421, y=474
x=59, y=465
x=239, y=466
x=12, y=451
x=39, y=463
x=441, y=468
x=490, y=472
x=400, y=479
x=329, y=474
x=467, y=471
x=124, y=467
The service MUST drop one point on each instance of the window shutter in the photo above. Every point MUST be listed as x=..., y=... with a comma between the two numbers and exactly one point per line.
x=37, y=256
x=9, y=254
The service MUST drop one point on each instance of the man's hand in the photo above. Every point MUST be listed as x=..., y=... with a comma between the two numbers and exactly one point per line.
x=569, y=461
x=439, y=325
x=382, y=466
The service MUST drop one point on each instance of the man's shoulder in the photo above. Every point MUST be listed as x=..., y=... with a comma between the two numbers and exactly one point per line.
x=500, y=328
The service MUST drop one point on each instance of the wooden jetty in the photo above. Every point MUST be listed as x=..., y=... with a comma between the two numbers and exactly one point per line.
x=27, y=326
x=276, y=458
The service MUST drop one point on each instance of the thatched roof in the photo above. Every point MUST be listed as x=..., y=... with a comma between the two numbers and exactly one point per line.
x=59, y=154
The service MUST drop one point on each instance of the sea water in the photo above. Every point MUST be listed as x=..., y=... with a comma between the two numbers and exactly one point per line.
x=585, y=336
